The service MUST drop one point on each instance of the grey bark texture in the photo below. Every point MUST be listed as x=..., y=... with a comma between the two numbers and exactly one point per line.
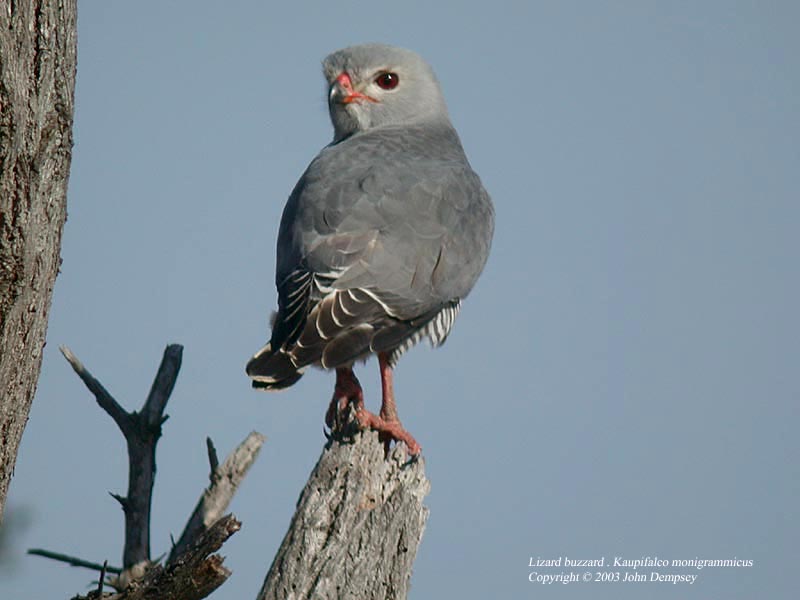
x=191, y=576
x=357, y=527
x=225, y=480
x=37, y=85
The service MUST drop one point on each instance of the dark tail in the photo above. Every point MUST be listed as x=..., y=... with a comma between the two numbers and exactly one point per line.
x=272, y=370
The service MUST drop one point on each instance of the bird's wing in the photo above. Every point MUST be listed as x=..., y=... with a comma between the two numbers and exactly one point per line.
x=369, y=254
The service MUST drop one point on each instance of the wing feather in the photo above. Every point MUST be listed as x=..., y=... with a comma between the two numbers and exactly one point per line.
x=378, y=242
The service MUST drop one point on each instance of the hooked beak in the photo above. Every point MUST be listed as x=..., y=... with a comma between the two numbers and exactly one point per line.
x=342, y=91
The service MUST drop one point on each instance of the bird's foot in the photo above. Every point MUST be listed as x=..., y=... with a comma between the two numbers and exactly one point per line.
x=336, y=408
x=348, y=401
x=388, y=430
x=348, y=390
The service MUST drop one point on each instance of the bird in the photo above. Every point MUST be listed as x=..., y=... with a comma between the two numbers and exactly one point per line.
x=381, y=239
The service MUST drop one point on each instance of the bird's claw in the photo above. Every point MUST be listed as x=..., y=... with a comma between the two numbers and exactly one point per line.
x=388, y=431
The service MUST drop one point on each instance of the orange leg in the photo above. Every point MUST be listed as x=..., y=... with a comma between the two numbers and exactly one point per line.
x=387, y=424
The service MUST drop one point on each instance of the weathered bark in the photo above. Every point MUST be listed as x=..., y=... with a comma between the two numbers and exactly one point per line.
x=37, y=83
x=357, y=527
x=193, y=575
x=225, y=480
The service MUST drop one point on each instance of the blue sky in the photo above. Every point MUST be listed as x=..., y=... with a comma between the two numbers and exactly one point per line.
x=621, y=382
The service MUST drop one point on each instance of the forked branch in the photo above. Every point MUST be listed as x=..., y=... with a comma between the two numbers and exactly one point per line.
x=141, y=430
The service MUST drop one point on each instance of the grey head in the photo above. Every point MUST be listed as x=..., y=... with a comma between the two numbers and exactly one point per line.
x=375, y=85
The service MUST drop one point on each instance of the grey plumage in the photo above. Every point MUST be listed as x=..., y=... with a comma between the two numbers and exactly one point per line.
x=386, y=231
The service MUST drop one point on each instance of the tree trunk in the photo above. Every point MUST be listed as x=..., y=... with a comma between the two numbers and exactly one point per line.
x=37, y=83
x=357, y=527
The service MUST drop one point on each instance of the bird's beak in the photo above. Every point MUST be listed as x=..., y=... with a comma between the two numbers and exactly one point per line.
x=342, y=91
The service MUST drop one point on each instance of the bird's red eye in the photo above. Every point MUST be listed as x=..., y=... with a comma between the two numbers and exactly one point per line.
x=387, y=81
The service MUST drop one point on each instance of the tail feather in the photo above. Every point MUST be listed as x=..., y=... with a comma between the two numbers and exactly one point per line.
x=272, y=370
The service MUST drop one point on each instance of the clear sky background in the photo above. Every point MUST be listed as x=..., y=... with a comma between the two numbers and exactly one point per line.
x=623, y=381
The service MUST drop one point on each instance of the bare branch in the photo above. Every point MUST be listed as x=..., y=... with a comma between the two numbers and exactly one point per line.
x=142, y=440
x=191, y=576
x=355, y=533
x=74, y=561
x=163, y=384
x=102, y=579
x=142, y=431
x=123, y=501
x=225, y=480
x=104, y=399
x=213, y=460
